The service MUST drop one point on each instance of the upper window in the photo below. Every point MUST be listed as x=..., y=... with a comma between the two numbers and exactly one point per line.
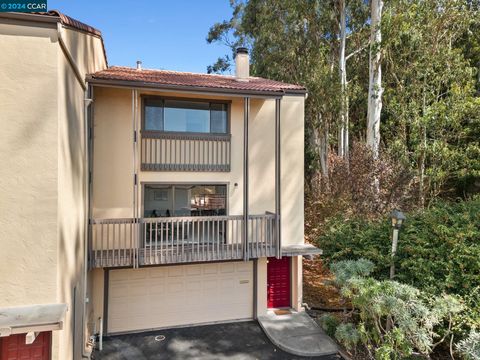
x=185, y=116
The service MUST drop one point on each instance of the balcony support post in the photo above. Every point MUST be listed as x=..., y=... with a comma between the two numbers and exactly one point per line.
x=246, y=110
x=278, y=175
x=137, y=231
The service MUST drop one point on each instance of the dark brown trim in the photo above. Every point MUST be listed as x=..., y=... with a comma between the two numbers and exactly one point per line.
x=152, y=134
x=255, y=289
x=278, y=175
x=182, y=98
x=200, y=89
x=246, y=112
x=106, y=281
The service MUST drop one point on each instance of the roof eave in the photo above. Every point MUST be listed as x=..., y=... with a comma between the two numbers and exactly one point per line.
x=29, y=17
x=208, y=90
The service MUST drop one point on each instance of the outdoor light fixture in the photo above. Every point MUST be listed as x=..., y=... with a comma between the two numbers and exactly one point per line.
x=397, y=218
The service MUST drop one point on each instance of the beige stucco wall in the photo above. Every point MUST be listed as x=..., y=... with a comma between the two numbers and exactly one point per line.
x=113, y=158
x=28, y=154
x=42, y=187
x=113, y=169
x=87, y=53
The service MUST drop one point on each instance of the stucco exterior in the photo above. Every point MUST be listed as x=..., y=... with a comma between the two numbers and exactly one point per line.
x=42, y=148
x=113, y=169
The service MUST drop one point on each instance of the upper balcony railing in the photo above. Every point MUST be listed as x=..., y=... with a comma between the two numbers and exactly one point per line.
x=173, y=240
x=185, y=152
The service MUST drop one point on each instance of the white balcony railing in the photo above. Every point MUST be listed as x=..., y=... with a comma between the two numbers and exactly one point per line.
x=171, y=240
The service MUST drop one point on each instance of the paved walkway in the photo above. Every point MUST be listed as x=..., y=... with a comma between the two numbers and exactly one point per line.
x=297, y=333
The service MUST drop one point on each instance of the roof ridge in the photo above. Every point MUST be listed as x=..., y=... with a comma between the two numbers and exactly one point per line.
x=172, y=71
x=190, y=73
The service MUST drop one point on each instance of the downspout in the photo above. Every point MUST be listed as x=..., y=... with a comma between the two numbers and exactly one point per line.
x=87, y=187
x=69, y=57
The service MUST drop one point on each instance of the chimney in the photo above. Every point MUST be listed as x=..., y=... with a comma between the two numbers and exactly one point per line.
x=139, y=65
x=242, y=66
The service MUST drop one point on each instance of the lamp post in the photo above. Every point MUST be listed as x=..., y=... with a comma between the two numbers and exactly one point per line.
x=398, y=218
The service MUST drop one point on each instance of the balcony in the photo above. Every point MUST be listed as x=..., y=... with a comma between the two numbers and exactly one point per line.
x=173, y=240
x=185, y=152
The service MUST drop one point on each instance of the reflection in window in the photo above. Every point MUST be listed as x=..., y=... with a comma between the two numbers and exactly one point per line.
x=185, y=116
x=185, y=200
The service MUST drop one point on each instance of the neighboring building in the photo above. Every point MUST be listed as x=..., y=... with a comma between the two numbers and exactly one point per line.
x=187, y=188
x=43, y=191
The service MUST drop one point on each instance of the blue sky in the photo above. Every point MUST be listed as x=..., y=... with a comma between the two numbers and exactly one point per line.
x=164, y=34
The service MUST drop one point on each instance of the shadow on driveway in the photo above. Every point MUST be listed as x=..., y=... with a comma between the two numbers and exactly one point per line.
x=242, y=340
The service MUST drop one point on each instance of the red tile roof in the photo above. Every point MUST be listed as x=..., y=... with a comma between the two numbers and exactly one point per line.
x=74, y=23
x=206, y=82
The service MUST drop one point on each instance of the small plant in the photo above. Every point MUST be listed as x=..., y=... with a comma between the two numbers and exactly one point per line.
x=470, y=347
x=347, y=269
x=329, y=323
x=348, y=335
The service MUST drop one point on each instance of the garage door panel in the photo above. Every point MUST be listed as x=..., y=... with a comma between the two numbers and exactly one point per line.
x=210, y=269
x=227, y=268
x=179, y=295
x=193, y=270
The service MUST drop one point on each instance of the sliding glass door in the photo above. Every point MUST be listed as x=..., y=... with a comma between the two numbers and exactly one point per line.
x=171, y=202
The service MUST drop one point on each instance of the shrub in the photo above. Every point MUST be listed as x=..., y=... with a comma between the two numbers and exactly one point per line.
x=329, y=323
x=470, y=347
x=394, y=319
x=438, y=252
x=348, y=335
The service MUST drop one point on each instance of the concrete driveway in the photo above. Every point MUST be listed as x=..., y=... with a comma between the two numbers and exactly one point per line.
x=242, y=340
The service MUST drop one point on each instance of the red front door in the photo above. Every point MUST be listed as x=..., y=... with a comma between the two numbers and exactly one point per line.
x=13, y=347
x=278, y=282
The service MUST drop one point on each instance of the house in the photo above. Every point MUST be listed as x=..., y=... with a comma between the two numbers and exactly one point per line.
x=137, y=199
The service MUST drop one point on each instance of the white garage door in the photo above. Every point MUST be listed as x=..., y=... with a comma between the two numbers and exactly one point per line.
x=149, y=298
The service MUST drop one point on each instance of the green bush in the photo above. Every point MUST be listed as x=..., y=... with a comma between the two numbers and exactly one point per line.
x=438, y=252
x=329, y=323
x=438, y=249
x=394, y=320
x=470, y=347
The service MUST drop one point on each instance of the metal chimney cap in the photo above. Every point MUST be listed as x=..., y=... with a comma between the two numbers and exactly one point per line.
x=241, y=50
x=139, y=65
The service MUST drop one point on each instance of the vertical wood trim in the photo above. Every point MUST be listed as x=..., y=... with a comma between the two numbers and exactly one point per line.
x=106, y=280
x=255, y=289
x=246, y=110
x=278, y=175
x=135, y=174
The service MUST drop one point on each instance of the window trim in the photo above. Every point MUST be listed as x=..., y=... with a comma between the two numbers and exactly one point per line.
x=185, y=133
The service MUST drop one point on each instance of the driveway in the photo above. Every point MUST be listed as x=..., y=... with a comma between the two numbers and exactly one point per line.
x=242, y=340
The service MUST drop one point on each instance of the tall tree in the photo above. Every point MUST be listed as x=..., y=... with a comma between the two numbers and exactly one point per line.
x=342, y=69
x=375, y=79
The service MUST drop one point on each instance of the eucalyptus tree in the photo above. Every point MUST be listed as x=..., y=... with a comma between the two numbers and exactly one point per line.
x=375, y=89
x=430, y=108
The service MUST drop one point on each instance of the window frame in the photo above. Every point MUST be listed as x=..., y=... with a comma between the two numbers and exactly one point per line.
x=185, y=133
x=144, y=184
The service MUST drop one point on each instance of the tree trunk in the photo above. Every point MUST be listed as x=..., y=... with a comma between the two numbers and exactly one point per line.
x=321, y=145
x=342, y=68
x=423, y=150
x=375, y=79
